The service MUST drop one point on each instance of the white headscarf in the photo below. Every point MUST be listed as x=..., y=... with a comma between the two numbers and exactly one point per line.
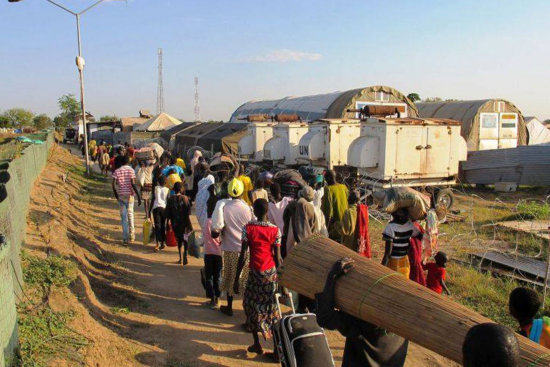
x=195, y=159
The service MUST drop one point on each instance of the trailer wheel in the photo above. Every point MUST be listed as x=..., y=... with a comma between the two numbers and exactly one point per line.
x=445, y=197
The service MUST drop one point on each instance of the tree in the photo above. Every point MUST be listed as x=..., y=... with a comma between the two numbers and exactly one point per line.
x=547, y=121
x=17, y=117
x=433, y=99
x=69, y=106
x=70, y=110
x=108, y=118
x=414, y=97
x=42, y=121
x=61, y=121
x=4, y=121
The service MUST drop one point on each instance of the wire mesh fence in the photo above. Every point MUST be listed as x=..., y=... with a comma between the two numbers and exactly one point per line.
x=24, y=163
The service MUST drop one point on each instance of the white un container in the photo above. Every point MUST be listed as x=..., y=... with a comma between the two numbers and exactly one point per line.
x=409, y=151
x=327, y=142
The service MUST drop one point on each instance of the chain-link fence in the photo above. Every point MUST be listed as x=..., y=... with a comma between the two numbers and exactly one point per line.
x=20, y=165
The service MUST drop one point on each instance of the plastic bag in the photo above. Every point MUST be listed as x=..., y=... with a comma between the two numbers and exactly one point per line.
x=194, y=244
x=171, y=240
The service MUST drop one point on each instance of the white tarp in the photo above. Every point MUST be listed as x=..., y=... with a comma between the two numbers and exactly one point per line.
x=160, y=122
x=538, y=133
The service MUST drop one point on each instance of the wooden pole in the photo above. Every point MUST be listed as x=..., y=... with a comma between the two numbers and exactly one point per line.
x=376, y=294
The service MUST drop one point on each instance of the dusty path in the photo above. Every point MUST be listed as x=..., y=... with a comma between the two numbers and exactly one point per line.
x=136, y=306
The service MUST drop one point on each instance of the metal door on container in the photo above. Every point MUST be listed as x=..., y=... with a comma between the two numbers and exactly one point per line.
x=488, y=131
x=508, y=130
x=347, y=134
x=438, y=150
x=410, y=155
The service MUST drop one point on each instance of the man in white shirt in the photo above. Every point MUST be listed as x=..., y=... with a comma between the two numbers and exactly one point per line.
x=228, y=220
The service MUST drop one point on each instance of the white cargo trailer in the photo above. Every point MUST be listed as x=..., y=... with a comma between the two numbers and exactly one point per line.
x=327, y=141
x=282, y=148
x=252, y=145
x=409, y=152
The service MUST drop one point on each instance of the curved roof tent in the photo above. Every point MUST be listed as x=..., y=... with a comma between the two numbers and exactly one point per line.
x=538, y=133
x=330, y=105
x=503, y=125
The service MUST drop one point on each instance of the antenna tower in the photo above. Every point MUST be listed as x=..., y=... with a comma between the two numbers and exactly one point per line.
x=197, y=109
x=160, y=87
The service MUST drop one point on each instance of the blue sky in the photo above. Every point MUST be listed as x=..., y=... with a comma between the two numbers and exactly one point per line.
x=244, y=50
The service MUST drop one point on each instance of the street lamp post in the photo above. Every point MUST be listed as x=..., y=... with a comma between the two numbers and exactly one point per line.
x=80, y=65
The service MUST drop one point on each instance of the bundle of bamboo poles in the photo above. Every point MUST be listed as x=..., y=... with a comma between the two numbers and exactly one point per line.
x=376, y=294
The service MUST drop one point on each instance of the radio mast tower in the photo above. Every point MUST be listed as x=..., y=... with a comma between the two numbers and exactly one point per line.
x=197, y=109
x=160, y=87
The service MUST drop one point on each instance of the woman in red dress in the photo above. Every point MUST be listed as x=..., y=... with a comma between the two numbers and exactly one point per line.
x=263, y=239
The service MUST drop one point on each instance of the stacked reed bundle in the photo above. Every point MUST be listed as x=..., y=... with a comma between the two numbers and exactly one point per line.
x=376, y=294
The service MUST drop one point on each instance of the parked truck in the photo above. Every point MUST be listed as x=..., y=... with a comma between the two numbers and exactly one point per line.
x=73, y=133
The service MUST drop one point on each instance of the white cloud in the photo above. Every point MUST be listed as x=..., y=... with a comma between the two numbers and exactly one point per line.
x=285, y=55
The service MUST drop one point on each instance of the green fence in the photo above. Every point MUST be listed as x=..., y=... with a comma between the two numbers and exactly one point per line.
x=17, y=175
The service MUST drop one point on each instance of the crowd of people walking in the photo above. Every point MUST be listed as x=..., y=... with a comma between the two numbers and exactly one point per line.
x=247, y=230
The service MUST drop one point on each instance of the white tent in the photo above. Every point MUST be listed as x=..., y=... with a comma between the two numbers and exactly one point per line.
x=160, y=122
x=538, y=133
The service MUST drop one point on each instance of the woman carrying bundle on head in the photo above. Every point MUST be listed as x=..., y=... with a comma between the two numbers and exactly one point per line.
x=397, y=235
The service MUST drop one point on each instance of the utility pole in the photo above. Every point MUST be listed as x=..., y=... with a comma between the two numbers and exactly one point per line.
x=197, y=109
x=160, y=87
x=80, y=65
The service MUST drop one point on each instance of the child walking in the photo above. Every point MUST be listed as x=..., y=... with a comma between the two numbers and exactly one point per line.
x=259, y=192
x=212, y=259
x=437, y=273
x=159, y=206
x=263, y=239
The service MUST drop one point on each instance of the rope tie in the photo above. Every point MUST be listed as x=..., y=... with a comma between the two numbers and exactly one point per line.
x=373, y=285
x=536, y=361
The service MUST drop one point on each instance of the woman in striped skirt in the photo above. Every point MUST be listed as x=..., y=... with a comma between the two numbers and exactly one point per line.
x=263, y=239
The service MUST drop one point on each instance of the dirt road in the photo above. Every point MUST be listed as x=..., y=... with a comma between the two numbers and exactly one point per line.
x=137, y=307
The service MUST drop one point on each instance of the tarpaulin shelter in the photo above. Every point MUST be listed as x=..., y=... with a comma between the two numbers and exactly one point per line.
x=486, y=123
x=160, y=122
x=189, y=137
x=171, y=132
x=330, y=105
x=224, y=139
x=538, y=133
x=169, y=136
